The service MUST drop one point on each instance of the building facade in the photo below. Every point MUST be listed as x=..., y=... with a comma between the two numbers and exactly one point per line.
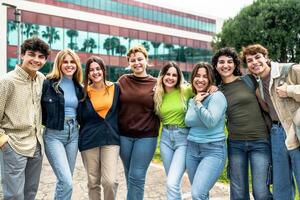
x=108, y=28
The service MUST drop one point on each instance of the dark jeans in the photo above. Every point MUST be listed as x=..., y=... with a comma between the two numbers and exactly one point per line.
x=258, y=153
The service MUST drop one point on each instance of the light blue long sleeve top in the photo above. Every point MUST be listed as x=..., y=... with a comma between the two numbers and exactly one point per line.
x=71, y=101
x=207, y=120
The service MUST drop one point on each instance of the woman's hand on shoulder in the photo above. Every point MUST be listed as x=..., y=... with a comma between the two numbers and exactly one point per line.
x=212, y=89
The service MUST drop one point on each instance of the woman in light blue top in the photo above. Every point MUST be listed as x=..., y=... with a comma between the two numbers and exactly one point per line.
x=206, y=150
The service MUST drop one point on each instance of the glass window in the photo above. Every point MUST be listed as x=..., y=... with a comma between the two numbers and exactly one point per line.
x=70, y=39
x=11, y=63
x=105, y=47
x=170, y=54
x=30, y=30
x=91, y=43
x=53, y=36
x=82, y=36
x=12, y=29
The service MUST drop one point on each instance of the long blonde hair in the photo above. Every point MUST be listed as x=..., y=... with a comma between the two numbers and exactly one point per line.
x=56, y=72
x=160, y=90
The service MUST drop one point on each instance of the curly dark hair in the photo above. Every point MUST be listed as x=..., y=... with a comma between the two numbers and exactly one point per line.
x=228, y=52
x=35, y=44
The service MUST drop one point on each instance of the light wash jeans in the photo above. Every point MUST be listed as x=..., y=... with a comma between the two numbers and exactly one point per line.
x=204, y=163
x=258, y=153
x=173, y=144
x=285, y=163
x=20, y=174
x=61, y=148
x=136, y=155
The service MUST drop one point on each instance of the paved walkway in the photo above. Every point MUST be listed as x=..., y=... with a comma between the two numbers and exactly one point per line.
x=154, y=189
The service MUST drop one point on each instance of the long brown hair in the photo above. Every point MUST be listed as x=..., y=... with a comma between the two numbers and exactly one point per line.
x=87, y=80
x=209, y=71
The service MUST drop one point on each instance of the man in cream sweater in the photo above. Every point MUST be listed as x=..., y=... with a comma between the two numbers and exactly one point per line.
x=20, y=123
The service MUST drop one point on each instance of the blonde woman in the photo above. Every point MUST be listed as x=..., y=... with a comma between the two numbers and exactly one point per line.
x=170, y=99
x=61, y=94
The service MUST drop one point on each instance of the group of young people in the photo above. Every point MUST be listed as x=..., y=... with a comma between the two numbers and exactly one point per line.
x=105, y=120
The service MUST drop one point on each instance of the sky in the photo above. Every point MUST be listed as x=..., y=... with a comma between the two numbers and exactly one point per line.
x=216, y=8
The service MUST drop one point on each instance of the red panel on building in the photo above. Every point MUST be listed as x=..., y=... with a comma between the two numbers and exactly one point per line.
x=143, y=35
x=93, y=27
x=56, y=21
x=81, y=25
x=104, y=28
x=124, y=32
x=114, y=30
x=69, y=23
x=31, y=17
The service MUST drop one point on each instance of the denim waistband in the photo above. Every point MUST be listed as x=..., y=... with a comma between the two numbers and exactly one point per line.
x=70, y=120
x=171, y=126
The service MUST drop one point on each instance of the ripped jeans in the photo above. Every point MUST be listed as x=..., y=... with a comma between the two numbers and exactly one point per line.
x=258, y=153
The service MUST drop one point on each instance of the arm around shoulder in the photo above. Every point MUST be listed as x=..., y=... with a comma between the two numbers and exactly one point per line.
x=293, y=79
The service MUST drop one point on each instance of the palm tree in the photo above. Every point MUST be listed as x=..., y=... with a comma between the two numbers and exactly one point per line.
x=180, y=54
x=121, y=49
x=30, y=30
x=51, y=34
x=155, y=46
x=110, y=44
x=88, y=45
x=146, y=45
x=72, y=34
x=170, y=48
x=129, y=41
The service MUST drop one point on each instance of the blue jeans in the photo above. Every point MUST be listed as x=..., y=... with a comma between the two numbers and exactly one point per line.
x=136, y=155
x=61, y=149
x=204, y=163
x=258, y=153
x=284, y=164
x=173, y=144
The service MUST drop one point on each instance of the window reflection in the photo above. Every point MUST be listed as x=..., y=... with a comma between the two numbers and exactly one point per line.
x=95, y=43
x=154, y=15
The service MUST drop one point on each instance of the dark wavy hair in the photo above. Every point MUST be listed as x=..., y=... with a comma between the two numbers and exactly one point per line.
x=228, y=52
x=35, y=44
x=88, y=81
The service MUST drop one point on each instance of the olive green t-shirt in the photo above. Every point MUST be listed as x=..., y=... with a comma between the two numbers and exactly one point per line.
x=244, y=118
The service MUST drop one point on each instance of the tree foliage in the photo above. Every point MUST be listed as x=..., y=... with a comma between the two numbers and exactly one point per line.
x=274, y=24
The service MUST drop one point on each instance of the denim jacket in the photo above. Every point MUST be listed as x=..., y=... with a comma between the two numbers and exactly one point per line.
x=53, y=104
x=287, y=108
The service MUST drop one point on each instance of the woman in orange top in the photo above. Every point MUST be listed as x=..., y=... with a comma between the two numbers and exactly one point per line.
x=99, y=134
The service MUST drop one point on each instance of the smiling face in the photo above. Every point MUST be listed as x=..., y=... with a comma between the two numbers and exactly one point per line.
x=201, y=81
x=225, y=66
x=170, y=79
x=96, y=73
x=257, y=63
x=68, y=67
x=138, y=64
x=32, y=61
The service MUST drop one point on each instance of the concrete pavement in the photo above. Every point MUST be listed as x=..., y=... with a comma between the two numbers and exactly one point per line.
x=154, y=189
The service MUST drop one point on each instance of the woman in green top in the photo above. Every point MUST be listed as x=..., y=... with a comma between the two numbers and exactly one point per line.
x=170, y=100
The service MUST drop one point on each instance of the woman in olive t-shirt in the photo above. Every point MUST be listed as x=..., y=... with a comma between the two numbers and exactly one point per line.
x=248, y=139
